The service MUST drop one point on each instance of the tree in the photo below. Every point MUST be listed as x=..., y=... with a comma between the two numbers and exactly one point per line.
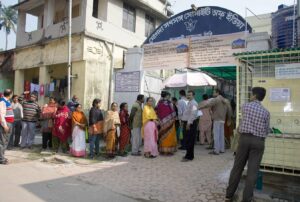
x=8, y=21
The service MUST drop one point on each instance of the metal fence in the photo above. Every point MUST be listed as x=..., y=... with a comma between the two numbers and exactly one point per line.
x=282, y=151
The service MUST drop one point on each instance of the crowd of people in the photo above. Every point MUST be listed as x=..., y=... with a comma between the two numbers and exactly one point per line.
x=160, y=127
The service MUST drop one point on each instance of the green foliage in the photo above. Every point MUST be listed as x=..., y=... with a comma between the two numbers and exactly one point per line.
x=8, y=20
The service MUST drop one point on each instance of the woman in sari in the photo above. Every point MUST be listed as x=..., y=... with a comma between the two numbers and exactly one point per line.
x=167, y=131
x=79, y=123
x=111, y=124
x=125, y=129
x=62, y=128
x=47, y=115
x=149, y=131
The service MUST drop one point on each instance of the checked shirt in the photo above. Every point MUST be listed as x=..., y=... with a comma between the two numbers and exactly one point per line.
x=255, y=119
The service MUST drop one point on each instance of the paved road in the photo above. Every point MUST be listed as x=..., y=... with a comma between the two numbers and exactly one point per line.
x=122, y=179
x=35, y=182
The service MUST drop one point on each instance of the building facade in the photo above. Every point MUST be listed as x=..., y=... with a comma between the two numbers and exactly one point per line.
x=284, y=27
x=261, y=23
x=102, y=31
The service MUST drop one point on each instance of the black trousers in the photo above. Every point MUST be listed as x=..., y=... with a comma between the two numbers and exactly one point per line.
x=190, y=140
x=251, y=150
x=14, y=139
x=183, y=141
x=47, y=140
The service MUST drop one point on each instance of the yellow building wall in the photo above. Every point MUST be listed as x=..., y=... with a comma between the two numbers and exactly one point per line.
x=284, y=115
x=282, y=151
x=55, y=52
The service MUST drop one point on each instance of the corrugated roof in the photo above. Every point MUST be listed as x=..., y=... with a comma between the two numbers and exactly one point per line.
x=268, y=52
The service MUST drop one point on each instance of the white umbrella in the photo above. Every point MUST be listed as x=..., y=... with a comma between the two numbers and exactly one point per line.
x=189, y=79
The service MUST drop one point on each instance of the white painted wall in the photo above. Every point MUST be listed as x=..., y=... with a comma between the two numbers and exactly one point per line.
x=258, y=41
x=110, y=15
x=150, y=85
x=155, y=4
x=261, y=23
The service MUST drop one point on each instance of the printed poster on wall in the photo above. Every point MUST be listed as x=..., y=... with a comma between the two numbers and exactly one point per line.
x=287, y=71
x=127, y=82
x=194, y=52
x=280, y=94
x=166, y=55
x=216, y=50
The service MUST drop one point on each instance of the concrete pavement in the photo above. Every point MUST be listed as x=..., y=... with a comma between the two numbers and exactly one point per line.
x=122, y=179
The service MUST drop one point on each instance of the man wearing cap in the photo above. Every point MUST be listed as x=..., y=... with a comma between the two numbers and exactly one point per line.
x=31, y=113
x=72, y=103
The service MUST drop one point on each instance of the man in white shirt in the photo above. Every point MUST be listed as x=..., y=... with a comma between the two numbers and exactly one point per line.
x=6, y=121
x=182, y=104
x=190, y=125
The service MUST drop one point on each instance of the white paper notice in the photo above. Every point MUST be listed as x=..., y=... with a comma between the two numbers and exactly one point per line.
x=200, y=113
x=280, y=94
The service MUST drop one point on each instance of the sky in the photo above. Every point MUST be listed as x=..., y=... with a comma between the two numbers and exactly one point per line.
x=238, y=6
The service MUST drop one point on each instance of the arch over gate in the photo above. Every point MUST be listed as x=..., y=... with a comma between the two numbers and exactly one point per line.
x=205, y=21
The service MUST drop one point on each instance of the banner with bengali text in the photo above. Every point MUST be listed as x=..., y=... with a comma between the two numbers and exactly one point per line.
x=194, y=52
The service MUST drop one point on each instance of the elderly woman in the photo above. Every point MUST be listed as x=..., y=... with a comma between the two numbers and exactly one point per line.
x=111, y=125
x=79, y=123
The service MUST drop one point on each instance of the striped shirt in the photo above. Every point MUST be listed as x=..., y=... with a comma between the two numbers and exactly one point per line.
x=255, y=119
x=31, y=111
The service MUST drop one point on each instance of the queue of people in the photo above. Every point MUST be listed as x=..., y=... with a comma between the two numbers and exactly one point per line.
x=159, y=128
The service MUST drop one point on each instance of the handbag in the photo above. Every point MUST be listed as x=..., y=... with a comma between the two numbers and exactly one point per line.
x=99, y=128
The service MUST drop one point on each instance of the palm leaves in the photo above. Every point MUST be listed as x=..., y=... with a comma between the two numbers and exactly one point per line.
x=8, y=20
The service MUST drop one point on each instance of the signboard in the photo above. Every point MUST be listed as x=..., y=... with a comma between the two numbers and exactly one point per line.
x=287, y=71
x=194, y=52
x=205, y=21
x=216, y=50
x=280, y=95
x=127, y=82
x=166, y=55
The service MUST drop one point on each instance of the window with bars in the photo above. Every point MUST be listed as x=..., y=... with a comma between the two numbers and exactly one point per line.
x=129, y=17
x=149, y=25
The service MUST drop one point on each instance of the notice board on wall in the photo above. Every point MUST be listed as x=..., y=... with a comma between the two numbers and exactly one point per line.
x=127, y=81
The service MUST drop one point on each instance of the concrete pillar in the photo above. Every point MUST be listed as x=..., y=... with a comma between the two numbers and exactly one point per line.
x=86, y=10
x=78, y=84
x=133, y=63
x=44, y=78
x=21, y=26
x=49, y=10
x=140, y=23
x=19, y=82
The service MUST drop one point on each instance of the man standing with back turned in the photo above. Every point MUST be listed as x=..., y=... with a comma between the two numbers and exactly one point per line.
x=136, y=124
x=219, y=112
x=254, y=129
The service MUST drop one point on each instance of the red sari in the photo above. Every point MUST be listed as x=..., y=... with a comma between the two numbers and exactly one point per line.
x=62, y=124
x=125, y=130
